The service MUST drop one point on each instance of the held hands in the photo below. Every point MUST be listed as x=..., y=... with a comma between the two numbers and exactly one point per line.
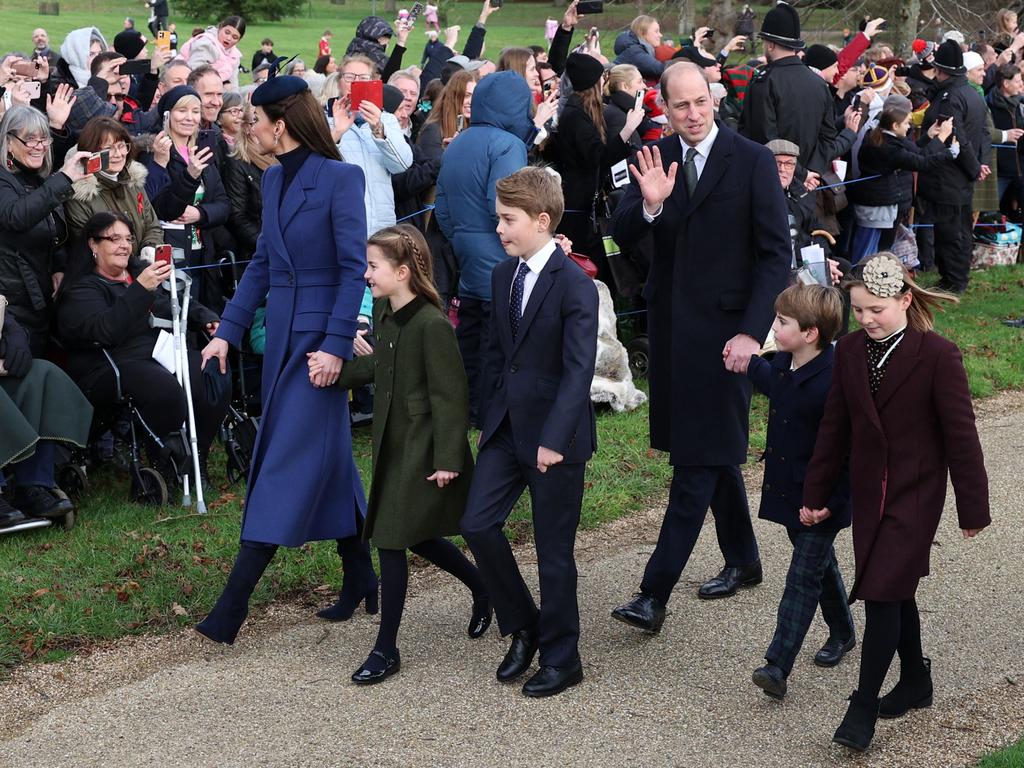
x=655, y=185
x=737, y=352
x=442, y=477
x=198, y=159
x=324, y=368
x=814, y=516
x=58, y=106
x=217, y=348
x=547, y=458
x=153, y=275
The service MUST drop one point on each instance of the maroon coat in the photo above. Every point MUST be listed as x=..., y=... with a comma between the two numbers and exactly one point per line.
x=901, y=443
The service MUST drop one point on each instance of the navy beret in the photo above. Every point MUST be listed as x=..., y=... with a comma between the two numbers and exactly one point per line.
x=169, y=99
x=277, y=88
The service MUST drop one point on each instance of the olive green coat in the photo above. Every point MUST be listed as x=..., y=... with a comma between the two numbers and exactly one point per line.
x=420, y=424
x=125, y=195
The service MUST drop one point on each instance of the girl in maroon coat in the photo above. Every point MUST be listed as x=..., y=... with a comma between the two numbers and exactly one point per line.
x=900, y=408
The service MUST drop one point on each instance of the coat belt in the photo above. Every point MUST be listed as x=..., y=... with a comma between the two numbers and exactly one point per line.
x=285, y=278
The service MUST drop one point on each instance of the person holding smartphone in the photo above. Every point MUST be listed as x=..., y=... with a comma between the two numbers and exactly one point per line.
x=450, y=115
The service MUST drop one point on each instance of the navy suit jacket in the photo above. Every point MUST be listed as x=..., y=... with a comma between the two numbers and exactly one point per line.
x=541, y=380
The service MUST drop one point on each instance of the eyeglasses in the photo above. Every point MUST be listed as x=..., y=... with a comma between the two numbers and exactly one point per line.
x=117, y=239
x=118, y=147
x=785, y=163
x=33, y=143
x=348, y=77
x=232, y=111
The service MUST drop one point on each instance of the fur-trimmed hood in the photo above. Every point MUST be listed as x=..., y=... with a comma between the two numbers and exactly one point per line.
x=133, y=176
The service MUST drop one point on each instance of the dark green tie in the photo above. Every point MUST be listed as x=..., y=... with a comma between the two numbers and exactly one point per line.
x=690, y=171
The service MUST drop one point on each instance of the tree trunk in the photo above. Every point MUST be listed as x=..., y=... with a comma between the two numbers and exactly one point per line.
x=687, y=12
x=722, y=19
x=390, y=7
x=907, y=30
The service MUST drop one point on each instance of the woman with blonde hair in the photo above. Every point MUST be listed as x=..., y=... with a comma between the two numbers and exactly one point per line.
x=621, y=87
x=636, y=46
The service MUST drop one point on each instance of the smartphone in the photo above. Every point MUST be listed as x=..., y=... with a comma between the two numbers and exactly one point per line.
x=460, y=122
x=163, y=254
x=638, y=102
x=135, y=67
x=329, y=107
x=497, y=3
x=414, y=14
x=940, y=119
x=163, y=40
x=97, y=161
x=546, y=87
x=31, y=88
x=26, y=68
x=589, y=6
x=367, y=90
x=884, y=25
x=206, y=137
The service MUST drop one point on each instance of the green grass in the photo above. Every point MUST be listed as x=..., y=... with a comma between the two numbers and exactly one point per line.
x=121, y=572
x=1011, y=757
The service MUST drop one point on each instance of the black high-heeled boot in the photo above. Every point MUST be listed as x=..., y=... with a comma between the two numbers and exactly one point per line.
x=360, y=581
x=913, y=691
x=858, y=726
x=232, y=606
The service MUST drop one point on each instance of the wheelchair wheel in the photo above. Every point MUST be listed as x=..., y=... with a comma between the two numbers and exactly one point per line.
x=73, y=481
x=238, y=462
x=149, y=487
x=639, y=351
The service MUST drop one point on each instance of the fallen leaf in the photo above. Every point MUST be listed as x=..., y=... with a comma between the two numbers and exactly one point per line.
x=177, y=610
x=40, y=592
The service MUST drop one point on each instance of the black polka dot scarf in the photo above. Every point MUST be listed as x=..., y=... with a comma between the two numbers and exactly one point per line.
x=879, y=354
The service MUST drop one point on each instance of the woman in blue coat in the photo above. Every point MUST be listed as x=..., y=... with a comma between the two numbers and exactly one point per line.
x=309, y=264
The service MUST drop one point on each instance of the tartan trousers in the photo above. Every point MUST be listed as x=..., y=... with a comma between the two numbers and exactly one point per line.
x=813, y=579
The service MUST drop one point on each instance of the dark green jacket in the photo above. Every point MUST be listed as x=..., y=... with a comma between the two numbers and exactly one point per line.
x=420, y=424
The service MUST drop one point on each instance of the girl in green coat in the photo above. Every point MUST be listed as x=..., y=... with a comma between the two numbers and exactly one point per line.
x=422, y=462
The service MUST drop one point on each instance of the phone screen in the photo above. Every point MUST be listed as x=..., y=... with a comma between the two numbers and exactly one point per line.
x=414, y=14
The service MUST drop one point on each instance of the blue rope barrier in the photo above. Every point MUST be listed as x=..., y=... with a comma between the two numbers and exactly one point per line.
x=413, y=215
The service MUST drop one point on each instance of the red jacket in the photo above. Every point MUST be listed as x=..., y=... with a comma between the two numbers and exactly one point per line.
x=902, y=443
x=849, y=55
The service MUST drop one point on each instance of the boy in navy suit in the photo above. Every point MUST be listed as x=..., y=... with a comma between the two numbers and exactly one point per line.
x=538, y=431
x=797, y=383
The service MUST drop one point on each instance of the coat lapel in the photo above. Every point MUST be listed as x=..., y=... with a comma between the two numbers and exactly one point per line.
x=271, y=212
x=902, y=362
x=504, y=285
x=295, y=196
x=715, y=167
x=859, y=376
x=540, y=289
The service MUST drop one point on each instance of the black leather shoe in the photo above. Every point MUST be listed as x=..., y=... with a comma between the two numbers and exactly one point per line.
x=858, y=726
x=913, y=691
x=770, y=679
x=481, y=619
x=377, y=668
x=833, y=650
x=550, y=681
x=729, y=580
x=520, y=655
x=9, y=515
x=36, y=501
x=644, y=612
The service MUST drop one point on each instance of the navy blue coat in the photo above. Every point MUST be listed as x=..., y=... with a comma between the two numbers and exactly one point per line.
x=542, y=379
x=309, y=265
x=796, y=405
x=719, y=261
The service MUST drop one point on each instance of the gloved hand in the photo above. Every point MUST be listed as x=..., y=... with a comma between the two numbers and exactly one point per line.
x=17, y=357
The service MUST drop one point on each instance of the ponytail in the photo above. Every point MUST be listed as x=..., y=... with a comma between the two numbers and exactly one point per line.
x=924, y=302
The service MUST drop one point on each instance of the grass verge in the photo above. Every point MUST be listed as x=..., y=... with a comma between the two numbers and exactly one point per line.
x=1011, y=757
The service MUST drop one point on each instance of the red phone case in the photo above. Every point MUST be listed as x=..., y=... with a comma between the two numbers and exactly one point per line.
x=368, y=90
x=93, y=164
x=163, y=254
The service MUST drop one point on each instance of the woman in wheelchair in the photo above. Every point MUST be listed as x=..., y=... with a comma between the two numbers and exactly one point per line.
x=109, y=302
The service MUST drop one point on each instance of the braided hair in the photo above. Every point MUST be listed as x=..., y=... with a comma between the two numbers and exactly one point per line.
x=403, y=245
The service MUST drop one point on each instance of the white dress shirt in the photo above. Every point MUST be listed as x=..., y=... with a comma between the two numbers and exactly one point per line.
x=699, y=161
x=536, y=263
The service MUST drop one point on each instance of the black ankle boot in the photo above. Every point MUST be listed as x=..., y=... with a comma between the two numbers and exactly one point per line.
x=913, y=691
x=360, y=581
x=858, y=726
x=232, y=606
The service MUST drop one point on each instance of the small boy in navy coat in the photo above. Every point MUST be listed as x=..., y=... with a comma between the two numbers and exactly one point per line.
x=797, y=382
x=538, y=431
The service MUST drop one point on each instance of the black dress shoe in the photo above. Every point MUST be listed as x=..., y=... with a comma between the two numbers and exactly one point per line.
x=377, y=668
x=858, y=726
x=730, y=579
x=771, y=680
x=481, y=618
x=37, y=501
x=9, y=515
x=644, y=612
x=520, y=655
x=550, y=681
x=913, y=691
x=833, y=650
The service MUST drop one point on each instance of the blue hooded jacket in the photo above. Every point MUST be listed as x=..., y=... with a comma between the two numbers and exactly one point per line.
x=493, y=147
x=630, y=49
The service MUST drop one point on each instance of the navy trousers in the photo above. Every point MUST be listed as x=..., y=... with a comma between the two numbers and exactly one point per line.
x=499, y=479
x=693, y=490
x=813, y=579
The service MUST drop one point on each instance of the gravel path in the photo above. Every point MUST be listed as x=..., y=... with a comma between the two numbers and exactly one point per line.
x=281, y=696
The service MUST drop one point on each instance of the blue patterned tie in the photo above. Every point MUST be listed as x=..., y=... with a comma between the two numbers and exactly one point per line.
x=515, y=305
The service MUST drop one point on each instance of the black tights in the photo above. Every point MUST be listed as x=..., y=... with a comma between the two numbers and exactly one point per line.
x=394, y=579
x=890, y=627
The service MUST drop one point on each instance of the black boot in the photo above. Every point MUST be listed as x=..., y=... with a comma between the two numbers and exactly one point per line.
x=360, y=581
x=232, y=606
x=858, y=726
x=913, y=691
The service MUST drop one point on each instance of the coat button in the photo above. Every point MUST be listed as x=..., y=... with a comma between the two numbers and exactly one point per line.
x=391, y=345
x=513, y=369
x=767, y=487
x=782, y=458
x=774, y=412
x=768, y=449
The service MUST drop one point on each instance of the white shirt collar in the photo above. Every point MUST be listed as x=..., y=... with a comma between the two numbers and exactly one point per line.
x=704, y=148
x=539, y=260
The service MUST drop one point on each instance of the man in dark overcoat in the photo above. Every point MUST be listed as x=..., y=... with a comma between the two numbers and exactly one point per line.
x=722, y=255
